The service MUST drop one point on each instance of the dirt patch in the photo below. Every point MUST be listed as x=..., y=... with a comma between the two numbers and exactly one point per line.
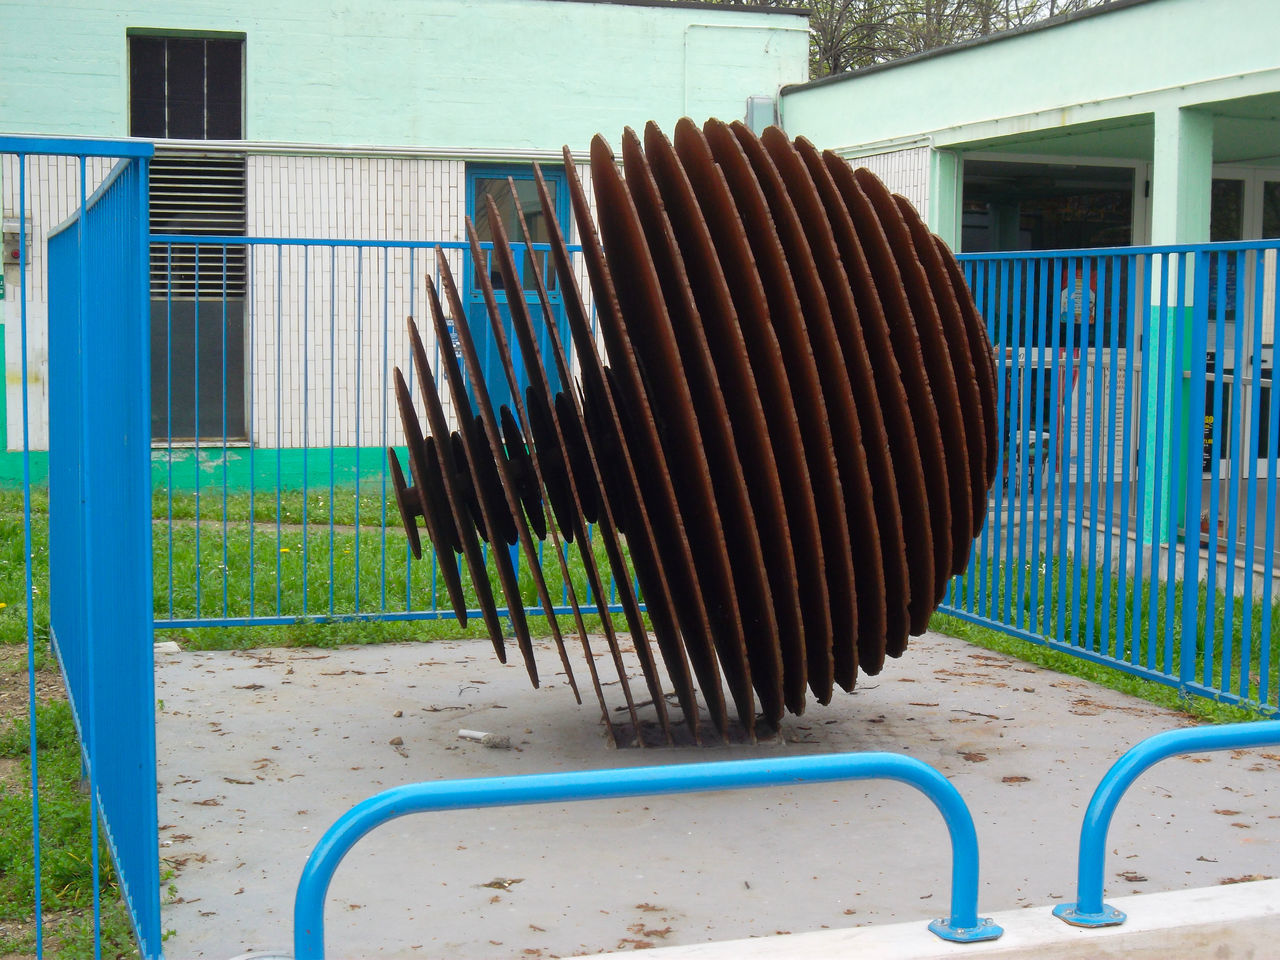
x=13, y=682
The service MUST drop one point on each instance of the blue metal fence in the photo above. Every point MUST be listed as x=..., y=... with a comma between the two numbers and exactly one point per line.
x=292, y=520
x=99, y=490
x=1133, y=519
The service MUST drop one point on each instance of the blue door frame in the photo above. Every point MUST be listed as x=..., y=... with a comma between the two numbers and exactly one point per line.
x=480, y=181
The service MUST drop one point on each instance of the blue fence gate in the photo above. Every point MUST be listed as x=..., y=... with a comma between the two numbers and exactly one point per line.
x=99, y=511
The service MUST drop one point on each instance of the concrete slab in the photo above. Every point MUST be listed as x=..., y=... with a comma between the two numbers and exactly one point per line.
x=260, y=751
x=1238, y=922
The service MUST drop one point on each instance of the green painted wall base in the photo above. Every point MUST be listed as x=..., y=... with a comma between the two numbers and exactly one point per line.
x=241, y=467
x=266, y=469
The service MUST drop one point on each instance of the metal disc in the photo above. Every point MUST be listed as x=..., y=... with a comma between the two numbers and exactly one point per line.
x=984, y=367
x=641, y=451
x=654, y=347
x=861, y=329
x=406, y=502
x=877, y=289
x=483, y=449
x=717, y=391
x=941, y=374
x=859, y=440
x=527, y=488
x=957, y=343
x=851, y=600
x=434, y=509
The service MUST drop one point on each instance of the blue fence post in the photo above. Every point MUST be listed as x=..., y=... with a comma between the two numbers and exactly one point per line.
x=963, y=925
x=1088, y=910
x=1193, y=432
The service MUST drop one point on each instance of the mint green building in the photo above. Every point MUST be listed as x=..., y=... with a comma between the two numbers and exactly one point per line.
x=360, y=121
x=1139, y=121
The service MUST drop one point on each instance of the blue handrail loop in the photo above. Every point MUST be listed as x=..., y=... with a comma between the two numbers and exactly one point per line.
x=1089, y=910
x=963, y=925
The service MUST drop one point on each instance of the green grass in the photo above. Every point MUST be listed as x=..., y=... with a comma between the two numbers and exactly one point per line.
x=66, y=843
x=1128, y=620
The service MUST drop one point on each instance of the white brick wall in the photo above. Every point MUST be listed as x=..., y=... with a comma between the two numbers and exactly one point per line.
x=903, y=171
x=52, y=194
x=325, y=326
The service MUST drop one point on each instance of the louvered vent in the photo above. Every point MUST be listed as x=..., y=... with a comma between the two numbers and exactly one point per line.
x=201, y=194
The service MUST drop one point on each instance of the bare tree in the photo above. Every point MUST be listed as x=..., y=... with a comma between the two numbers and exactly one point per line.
x=847, y=34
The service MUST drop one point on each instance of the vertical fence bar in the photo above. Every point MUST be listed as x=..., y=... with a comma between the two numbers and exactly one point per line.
x=1081, y=321
x=1030, y=436
x=1042, y=454
x=27, y=553
x=1193, y=431
x=1215, y=470
x=1108, y=637
x=251, y=422
x=1097, y=420
x=359, y=411
x=280, y=548
x=386, y=327
x=1065, y=378
x=1251, y=466
x=306, y=428
x=224, y=432
x=1236, y=450
x=1269, y=544
x=977, y=571
x=1013, y=458
x=1160, y=481
x=1134, y=394
x=1177, y=401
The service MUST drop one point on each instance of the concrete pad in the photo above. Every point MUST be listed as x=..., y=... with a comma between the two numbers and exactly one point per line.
x=1238, y=922
x=260, y=751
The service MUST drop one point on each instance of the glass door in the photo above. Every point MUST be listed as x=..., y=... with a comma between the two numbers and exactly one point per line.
x=495, y=182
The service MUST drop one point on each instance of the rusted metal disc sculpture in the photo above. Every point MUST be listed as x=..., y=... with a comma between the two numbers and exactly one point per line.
x=788, y=451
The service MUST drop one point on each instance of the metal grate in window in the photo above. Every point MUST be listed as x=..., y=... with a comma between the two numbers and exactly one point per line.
x=201, y=194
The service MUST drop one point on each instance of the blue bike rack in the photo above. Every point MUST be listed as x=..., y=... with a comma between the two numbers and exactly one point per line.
x=963, y=925
x=1089, y=910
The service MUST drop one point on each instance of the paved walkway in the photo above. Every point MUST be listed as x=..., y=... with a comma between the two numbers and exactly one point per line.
x=260, y=751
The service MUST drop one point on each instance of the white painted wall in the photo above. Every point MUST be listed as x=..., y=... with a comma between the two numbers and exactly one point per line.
x=52, y=194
